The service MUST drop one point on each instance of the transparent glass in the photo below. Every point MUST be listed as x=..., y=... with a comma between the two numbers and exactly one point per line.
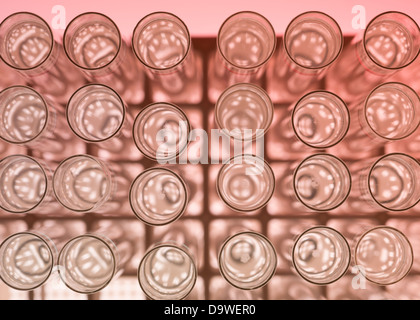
x=321, y=255
x=241, y=108
x=385, y=254
x=83, y=183
x=390, y=42
x=246, y=183
x=158, y=196
x=161, y=131
x=322, y=182
x=27, y=45
x=245, y=43
x=92, y=42
x=162, y=43
x=388, y=183
x=311, y=43
x=28, y=259
x=320, y=119
x=247, y=260
x=24, y=183
x=167, y=272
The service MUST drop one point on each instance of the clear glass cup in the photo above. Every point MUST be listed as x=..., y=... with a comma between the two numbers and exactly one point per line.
x=28, y=46
x=389, y=183
x=245, y=43
x=161, y=131
x=158, y=196
x=391, y=112
x=162, y=43
x=31, y=120
x=390, y=42
x=93, y=43
x=242, y=109
x=167, y=272
x=321, y=255
x=246, y=183
x=83, y=183
x=97, y=114
x=247, y=260
x=322, y=182
x=385, y=254
x=28, y=259
x=311, y=43
x=25, y=184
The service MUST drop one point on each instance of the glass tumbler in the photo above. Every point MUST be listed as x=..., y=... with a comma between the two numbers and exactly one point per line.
x=247, y=260
x=321, y=255
x=93, y=43
x=167, y=272
x=390, y=42
x=162, y=43
x=245, y=43
x=27, y=45
x=311, y=43
x=384, y=255
x=246, y=183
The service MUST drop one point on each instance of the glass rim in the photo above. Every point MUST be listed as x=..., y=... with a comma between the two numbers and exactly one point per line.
x=69, y=242
x=49, y=31
x=412, y=102
x=165, y=222
x=177, y=246
x=394, y=230
x=347, y=112
x=45, y=177
x=178, y=63
x=251, y=233
x=328, y=17
x=347, y=245
x=30, y=233
x=369, y=25
x=232, y=161
x=123, y=107
x=96, y=160
x=47, y=114
x=372, y=166
x=74, y=20
x=271, y=29
x=330, y=156
x=149, y=107
x=227, y=92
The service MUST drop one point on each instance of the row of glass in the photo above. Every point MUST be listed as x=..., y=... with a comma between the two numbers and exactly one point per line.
x=246, y=42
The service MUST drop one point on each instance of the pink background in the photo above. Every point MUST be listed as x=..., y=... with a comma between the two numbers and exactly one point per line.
x=204, y=18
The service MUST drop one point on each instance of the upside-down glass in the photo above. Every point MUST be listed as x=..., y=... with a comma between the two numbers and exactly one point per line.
x=390, y=42
x=389, y=183
x=83, y=183
x=97, y=115
x=92, y=42
x=158, y=196
x=245, y=43
x=31, y=120
x=311, y=43
x=383, y=255
x=245, y=183
x=244, y=111
x=27, y=45
x=162, y=43
x=321, y=255
x=247, y=260
x=161, y=131
x=24, y=182
x=167, y=272
x=322, y=182
x=391, y=112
